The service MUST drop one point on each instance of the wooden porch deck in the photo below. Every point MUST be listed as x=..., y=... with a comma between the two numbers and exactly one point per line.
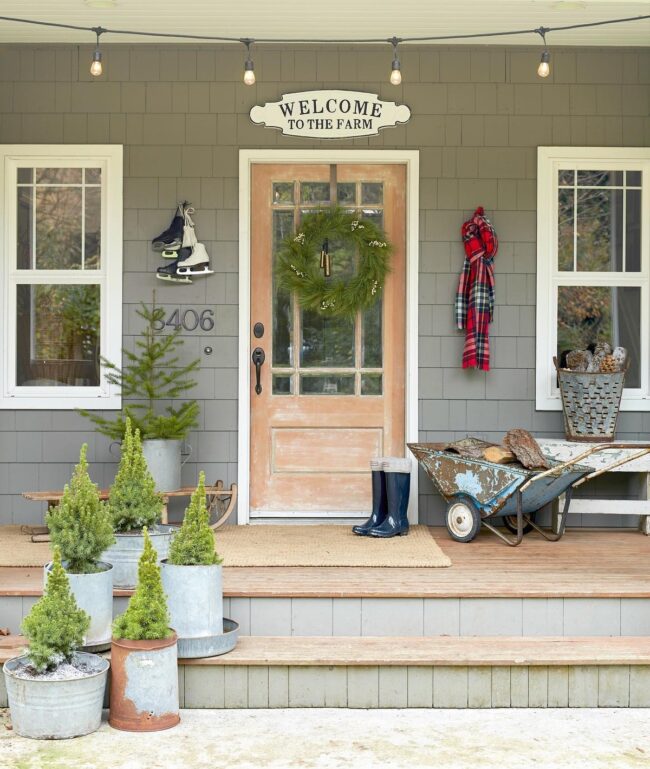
x=584, y=564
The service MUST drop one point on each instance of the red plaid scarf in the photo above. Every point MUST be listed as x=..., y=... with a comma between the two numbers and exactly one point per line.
x=475, y=296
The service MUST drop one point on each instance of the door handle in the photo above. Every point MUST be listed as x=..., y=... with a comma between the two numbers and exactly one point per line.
x=258, y=357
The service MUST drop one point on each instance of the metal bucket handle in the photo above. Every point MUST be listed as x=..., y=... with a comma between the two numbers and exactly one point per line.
x=189, y=453
x=110, y=448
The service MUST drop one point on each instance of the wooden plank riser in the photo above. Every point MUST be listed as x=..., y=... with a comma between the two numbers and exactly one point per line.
x=608, y=686
x=412, y=616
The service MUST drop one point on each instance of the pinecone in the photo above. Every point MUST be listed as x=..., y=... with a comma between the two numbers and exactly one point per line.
x=608, y=365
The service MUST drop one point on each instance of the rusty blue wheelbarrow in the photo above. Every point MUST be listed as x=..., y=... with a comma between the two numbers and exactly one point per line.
x=477, y=490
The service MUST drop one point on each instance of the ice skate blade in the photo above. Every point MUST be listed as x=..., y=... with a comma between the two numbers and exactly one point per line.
x=173, y=279
x=190, y=271
x=169, y=253
x=160, y=245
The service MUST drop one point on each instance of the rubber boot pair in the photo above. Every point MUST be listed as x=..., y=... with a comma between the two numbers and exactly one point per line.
x=391, y=483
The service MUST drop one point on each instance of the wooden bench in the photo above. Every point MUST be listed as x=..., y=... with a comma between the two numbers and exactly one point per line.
x=566, y=450
x=221, y=500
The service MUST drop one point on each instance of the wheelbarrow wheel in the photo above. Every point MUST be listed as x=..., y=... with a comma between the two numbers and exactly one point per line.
x=510, y=522
x=463, y=519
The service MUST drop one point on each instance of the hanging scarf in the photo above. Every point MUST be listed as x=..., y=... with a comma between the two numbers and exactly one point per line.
x=475, y=296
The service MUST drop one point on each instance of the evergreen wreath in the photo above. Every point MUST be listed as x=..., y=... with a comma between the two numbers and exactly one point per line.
x=298, y=268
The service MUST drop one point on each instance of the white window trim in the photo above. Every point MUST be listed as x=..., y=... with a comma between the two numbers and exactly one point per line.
x=109, y=157
x=549, y=161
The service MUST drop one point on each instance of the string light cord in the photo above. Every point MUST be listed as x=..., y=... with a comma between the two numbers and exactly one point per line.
x=324, y=41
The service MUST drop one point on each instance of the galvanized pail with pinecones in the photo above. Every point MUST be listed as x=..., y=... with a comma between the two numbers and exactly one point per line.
x=590, y=402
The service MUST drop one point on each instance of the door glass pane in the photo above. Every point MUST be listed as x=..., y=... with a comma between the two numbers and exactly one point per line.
x=282, y=385
x=599, y=227
x=346, y=192
x=375, y=215
x=371, y=347
x=57, y=337
x=591, y=314
x=58, y=228
x=282, y=193
x=565, y=210
x=314, y=192
x=326, y=342
x=282, y=302
x=93, y=226
x=314, y=384
x=372, y=193
x=371, y=384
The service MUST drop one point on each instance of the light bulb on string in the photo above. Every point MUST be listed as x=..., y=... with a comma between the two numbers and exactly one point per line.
x=96, y=68
x=544, y=66
x=249, y=69
x=396, y=67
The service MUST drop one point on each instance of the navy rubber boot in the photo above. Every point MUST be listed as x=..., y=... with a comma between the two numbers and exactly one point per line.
x=379, y=506
x=398, y=487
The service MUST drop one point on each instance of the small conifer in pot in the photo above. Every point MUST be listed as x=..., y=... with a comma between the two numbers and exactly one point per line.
x=193, y=545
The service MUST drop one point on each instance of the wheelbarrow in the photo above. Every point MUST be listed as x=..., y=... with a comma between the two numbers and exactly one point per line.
x=477, y=490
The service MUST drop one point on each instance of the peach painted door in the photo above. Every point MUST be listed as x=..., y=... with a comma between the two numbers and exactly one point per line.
x=332, y=390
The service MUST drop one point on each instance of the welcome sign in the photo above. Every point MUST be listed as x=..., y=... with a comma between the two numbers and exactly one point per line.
x=330, y=114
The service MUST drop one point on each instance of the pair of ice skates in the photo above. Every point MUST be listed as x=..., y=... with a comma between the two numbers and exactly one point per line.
x=179, y=242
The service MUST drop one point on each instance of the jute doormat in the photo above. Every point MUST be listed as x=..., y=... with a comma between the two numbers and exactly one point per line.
x=276, y=545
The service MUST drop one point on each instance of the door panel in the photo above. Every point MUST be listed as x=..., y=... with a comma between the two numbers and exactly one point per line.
x=332, y=390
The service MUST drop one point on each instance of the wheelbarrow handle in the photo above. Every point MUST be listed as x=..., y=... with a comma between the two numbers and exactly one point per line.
x=593, y=450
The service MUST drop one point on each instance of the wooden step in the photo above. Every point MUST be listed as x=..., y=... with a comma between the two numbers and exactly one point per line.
x=477, y=651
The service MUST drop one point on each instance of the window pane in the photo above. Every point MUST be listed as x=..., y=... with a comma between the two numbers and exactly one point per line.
x=633, y=230
x=372, y=193
x=327, y=385
x=565, y=210
x=600, y=178
x=93, y=175
x=590, y=314
x=599, y=230
x=282, y=385
x=24, y=242
x=346, y=193
x=58, y=175
x=57, y=335
x=282, y=192
x=25, y=175
x=314, y=192
x=633, y=178
x=93, y=225
x=371, y=346
x=282, y=302
x=371, y=384
x=566, y=177
x=58, y=228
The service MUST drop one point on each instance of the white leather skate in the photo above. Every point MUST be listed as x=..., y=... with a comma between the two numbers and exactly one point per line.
x=197, y=263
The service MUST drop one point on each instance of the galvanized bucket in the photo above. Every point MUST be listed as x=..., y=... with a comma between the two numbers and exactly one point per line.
x=56, y=710
x=195, y=601
x=164, y=462
x=126, y=552
x=144, y=685
x=94, y=594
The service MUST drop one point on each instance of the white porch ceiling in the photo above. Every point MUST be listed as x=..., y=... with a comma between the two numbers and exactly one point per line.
x=295, y=19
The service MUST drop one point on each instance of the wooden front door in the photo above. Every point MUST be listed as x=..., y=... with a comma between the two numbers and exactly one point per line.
x=333, y=393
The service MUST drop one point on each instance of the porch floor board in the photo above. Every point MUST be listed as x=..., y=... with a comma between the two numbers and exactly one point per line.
x=584, y=564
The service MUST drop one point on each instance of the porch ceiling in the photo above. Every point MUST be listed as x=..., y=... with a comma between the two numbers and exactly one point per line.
x=295, y=19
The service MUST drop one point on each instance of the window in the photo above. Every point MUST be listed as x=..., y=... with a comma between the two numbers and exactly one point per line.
x=593, y=262
x=61, y=282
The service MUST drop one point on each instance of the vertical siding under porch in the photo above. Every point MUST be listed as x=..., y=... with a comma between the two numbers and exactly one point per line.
x=181, y=112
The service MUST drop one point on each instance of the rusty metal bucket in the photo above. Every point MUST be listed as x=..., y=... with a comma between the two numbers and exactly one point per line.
x=144, y=685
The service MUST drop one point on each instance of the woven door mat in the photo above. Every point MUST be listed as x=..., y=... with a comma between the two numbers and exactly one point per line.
x=275, y=545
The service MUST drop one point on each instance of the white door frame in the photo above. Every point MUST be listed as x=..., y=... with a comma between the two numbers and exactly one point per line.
x=247, y=158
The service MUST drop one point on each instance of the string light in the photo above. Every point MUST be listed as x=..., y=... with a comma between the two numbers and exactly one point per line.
x=96, y=68
x=249, y=69
x=544, y=67
x=543, y=70
x=396, y=67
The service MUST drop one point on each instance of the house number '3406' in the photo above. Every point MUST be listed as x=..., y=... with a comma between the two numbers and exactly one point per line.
x=189, y=320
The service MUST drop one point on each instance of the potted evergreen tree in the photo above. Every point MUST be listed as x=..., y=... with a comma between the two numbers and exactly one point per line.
x=134, y=503
x=144, y=680
x=193, y=568
x=80, y=526
x=54, y=691
x=151, y=377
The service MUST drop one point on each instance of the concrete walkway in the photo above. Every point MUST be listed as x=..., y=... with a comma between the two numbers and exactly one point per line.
x=329, y=739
